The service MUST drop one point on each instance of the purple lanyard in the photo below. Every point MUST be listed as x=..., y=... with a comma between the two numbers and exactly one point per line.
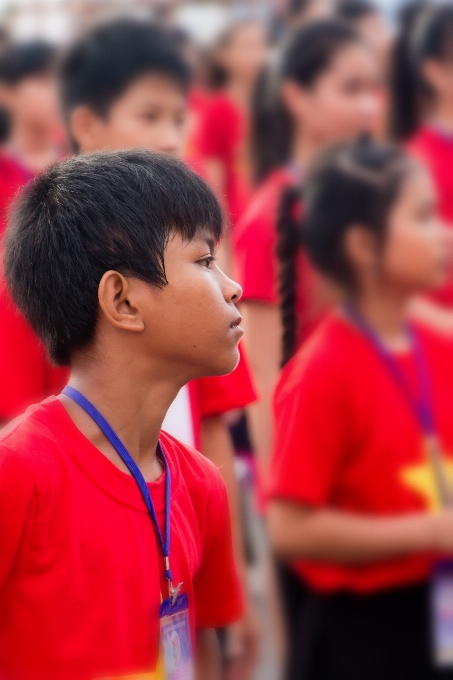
x=133, y=468
x=422, y=406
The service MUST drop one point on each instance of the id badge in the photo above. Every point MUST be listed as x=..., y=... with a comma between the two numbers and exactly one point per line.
x=442, y=614
x=175, y=637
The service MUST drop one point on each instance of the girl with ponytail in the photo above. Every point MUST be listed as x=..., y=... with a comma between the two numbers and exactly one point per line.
x=422, y=117
x=322, y=90
x=364, y=434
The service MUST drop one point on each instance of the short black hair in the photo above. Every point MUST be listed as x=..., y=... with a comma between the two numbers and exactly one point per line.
x=90, y=214
x=102, y=64
x=24, y=60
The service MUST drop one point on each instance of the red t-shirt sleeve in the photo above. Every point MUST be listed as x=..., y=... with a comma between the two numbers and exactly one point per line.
x=310, y=434
x=255, y=258
x=26, y=376
x=217, y=589
x=220, y=394
x=16, y=504
x=217, y=131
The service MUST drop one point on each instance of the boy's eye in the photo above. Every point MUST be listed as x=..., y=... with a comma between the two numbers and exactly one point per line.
x=207, y=261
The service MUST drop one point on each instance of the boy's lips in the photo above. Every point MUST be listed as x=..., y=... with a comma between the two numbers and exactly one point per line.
x=235, y=326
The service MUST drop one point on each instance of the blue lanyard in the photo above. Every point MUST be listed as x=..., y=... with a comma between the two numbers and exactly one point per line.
x=421, y=407
x=133, y=468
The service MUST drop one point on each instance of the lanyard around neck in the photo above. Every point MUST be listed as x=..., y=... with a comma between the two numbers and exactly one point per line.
x=421, y=406
x=133, y=468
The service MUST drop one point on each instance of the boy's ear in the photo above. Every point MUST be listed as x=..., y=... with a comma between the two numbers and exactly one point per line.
x=85, y=128
x=116, y=300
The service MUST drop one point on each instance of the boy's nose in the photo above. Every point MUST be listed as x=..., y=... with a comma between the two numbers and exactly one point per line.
x=233, y=291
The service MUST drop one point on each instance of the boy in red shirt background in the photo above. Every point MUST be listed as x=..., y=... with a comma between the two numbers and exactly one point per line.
x=29, y=94
x=124, y=288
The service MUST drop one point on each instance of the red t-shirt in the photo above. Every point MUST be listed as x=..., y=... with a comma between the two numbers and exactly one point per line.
x=196, y=105
x=256, y=262
x=12, y=177
x=222, y=134
x=26, y=375
x=435, y=149
x=81, y=571
x=347, y=439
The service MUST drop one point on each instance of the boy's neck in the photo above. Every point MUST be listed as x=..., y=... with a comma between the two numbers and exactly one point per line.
x=385, y=311
x=135, y=410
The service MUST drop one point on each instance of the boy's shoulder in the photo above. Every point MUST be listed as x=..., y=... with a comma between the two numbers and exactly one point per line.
x=30, y=441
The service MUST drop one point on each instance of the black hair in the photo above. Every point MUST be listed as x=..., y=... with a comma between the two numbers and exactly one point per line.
x=354, y=183
x=104, y=62
x=310, y=52
x=427, y=33
x=90, y=214
x=355, y=10
x=24, y=60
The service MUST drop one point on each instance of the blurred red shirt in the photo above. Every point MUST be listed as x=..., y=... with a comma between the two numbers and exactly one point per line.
x=346, y=439
x=12, y=177
x=222, y=135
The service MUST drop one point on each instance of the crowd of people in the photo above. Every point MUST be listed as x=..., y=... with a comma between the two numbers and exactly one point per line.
x=309, y=160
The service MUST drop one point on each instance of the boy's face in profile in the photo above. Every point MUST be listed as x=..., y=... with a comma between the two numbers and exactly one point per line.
x=150, y=114
x=191, y=324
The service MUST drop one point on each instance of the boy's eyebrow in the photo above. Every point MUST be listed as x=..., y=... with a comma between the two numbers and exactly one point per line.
x=206, y=238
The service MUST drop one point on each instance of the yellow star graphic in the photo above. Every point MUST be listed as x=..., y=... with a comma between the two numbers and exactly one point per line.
x=421, y=478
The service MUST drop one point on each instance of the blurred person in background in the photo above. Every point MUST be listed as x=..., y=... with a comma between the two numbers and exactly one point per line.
x=362, y=469
x=28, y=96
x=322, y=91
x=370, y=23
x=223, y=134
x=422, y=118
x=125, y=85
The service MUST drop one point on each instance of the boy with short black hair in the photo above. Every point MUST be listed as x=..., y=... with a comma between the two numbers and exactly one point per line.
x=125, y=84
x=124, y=287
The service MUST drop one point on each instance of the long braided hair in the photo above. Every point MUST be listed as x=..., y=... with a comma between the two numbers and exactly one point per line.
x=354, y=183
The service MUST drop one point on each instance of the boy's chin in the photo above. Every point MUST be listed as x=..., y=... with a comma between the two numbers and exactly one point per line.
x=224, y=364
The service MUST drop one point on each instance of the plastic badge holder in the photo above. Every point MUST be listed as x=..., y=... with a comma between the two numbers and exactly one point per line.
x=175, y=637
x=442, y=614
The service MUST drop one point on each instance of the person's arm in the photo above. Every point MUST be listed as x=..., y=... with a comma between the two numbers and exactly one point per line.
x=262, y=337
x=207, y=657
x=299, y=532
x=243, y=638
